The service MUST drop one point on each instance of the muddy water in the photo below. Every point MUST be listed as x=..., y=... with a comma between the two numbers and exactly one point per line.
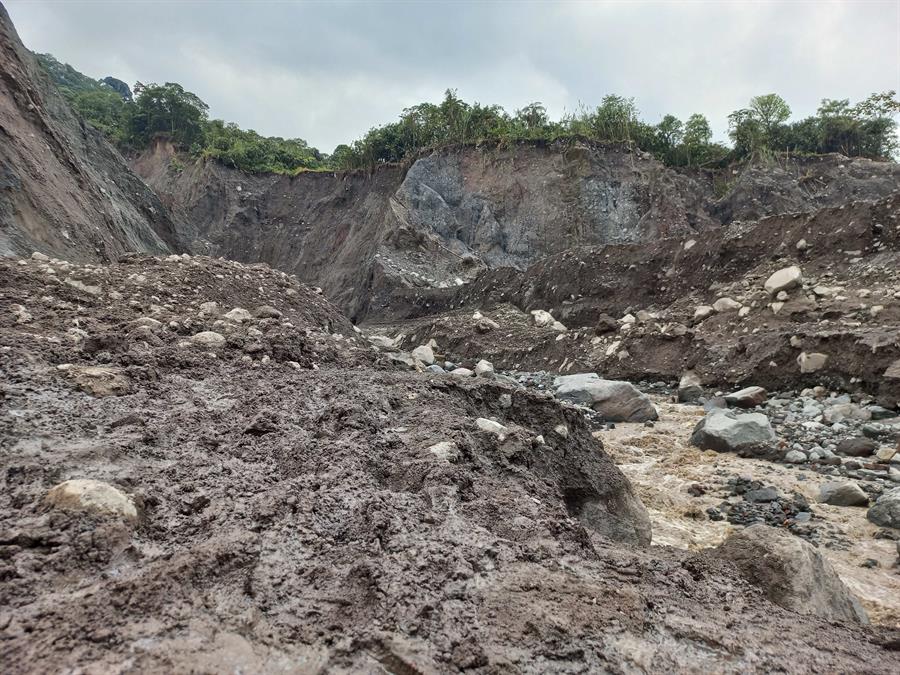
x=662, y=464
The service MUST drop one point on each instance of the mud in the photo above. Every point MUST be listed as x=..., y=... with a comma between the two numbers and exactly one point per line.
x=293, y=519
x=663, y=466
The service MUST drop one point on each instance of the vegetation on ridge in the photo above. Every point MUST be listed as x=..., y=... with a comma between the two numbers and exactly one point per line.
x=867, y=129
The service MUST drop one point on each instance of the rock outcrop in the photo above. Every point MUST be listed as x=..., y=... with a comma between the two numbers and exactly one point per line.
x=64, y=190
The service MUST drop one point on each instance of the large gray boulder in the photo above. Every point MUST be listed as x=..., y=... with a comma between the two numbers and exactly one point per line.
x=727, y=431
x=843, y=494
x=792, y=573
x=616, y=401
x=886, y=511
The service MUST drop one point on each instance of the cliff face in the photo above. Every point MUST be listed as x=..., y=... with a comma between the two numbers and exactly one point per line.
x=448, y=216
x=64, y=190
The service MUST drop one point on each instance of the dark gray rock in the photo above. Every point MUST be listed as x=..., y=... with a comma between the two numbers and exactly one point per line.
x=886, y=512
x=857, y=447
x=615, y=401
x=843, y=494
x=727, y=431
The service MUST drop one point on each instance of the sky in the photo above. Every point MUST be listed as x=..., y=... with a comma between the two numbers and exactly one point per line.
x=329, y=71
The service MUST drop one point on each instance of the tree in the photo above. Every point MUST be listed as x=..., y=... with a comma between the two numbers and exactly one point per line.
x=169, y=109
x=770, y=110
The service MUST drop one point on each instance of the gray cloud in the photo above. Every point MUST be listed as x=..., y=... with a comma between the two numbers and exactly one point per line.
x=327, y=72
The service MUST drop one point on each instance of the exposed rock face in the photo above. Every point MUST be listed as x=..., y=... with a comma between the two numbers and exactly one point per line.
x=63, y=189
x=792, y=573
x=450, y=214
x=726, y=431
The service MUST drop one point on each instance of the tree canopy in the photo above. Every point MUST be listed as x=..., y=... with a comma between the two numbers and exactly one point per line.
x=866, y=129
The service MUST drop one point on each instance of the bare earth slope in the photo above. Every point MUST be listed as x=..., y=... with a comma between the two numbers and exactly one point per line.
x=294, y=514
x=63, y=189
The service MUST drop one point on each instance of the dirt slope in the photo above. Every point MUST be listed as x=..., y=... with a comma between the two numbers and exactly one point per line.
x=294, y=515
x=434, y=224
x=63, y=189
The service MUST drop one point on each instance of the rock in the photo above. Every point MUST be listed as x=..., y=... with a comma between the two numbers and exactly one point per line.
x=726, y=305
x=838, y=413
x=209, y=308
x=491, y=427
x=791, y=573
x=886, y=511
x=558, y=327
x=93, y=496
x=382, y=341
x=857, y=447
x=886, y=453
x=267, y=312
x=208, y=339
x=615, y=401
x=40, y=257
x=22, y=315
x=703, y=312
x=893, y=371
x=689, y=388
x=238, y=315
x=462, y=373
x=606, y=324
x=446, y=450
x=484, y=369
x=749, y=397
x=100, y=381
x=727, y=431
x=83, y=287
x=485, y=325
x=795, y=457
x=542, y=318
x=877, y=412
x=843, y=494
x=505, y=400
x=783, y=280
x=435, y=368
x=404, y=359
x=424, y=353
x=810, y=363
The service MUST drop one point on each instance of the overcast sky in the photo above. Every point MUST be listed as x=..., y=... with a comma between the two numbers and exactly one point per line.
x=329, y=71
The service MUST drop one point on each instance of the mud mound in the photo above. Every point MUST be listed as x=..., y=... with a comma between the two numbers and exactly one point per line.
x=302, y=511
x=63, y=189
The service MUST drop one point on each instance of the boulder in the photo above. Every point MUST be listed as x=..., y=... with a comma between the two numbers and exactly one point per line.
x=726, y=305
x=886, y=511
x=100, y=381
x=810, y=363
x=784, y=279
x=703, y=312
x=542, y=318
x=749, y=397
x=208, y=339
x=238, y=315
x=843, y=494
x=616, y=401
x=445, y=450
x=841, y=411
x=462, y=373
x=791, y=573
x=490, y=426
x=893, y=371
x=857, y=447
x=727, y=431
x=93, y=496
x=606, y=324
x=267, y=312
x=689, y=388
x=424, y=353
x=484, y=369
